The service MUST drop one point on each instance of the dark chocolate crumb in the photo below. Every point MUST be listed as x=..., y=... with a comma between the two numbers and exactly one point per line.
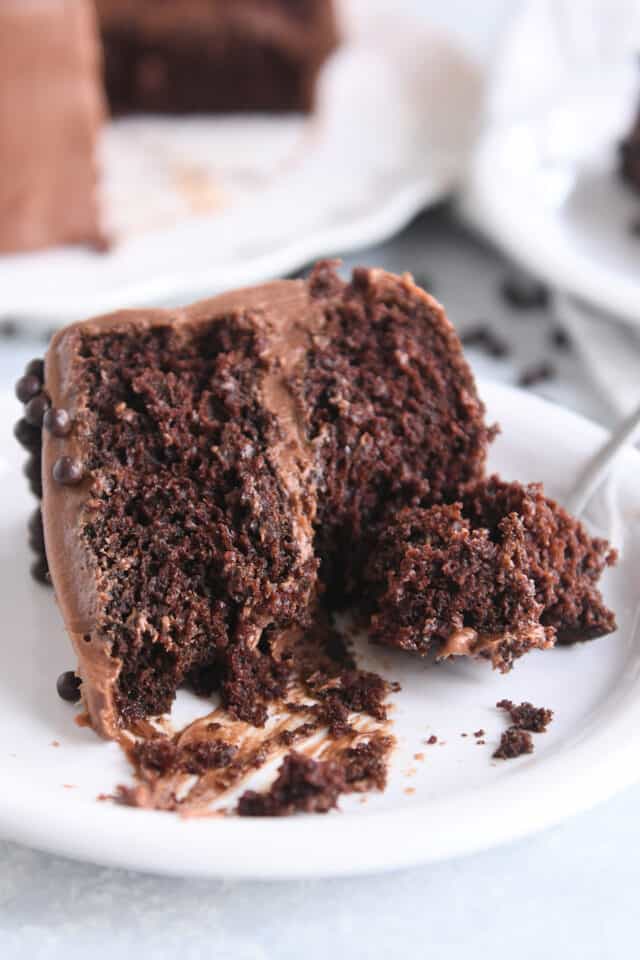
x=302, y=785
x=524, y=292
x=514, y=743
x=157, y=755
x=68, y=471
x=432, y=739
x=197, y=758
x=526, y=716
x=478, y=733
x=36, y=409
x=365, y=765
x=27, y=388
x=68, y=687
x=464, y=734
x=536, y=373
x=57, y=421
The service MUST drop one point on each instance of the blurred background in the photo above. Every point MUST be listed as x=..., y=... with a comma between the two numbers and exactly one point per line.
x=476, y=146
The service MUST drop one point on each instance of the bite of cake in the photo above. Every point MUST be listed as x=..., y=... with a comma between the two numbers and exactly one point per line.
x=501, y=572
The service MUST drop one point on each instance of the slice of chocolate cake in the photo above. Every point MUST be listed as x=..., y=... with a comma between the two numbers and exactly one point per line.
x=500, y=573
x=206, y=471
x=51, y=111
x=205, y=56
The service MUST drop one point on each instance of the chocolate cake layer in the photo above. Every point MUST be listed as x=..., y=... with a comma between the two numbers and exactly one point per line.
x=210, y=55
x=51, y=111
x=213, y=458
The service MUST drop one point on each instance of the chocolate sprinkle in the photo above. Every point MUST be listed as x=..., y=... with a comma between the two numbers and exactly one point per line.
x=58, y=422
x=68, y=471
x=68, y=686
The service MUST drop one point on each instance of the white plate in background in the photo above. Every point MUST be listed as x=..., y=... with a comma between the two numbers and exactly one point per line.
x=455, y=801
x=546, y=189
x=544, y=183
x=203, y=204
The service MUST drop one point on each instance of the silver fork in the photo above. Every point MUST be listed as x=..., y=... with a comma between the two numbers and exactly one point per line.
x=600, y=464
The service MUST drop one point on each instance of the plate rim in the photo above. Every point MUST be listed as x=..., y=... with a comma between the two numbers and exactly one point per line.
x=490, y=211
x=570, y=779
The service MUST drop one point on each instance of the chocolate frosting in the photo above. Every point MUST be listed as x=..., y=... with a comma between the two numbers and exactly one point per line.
x=287, y=317
x=51, y=111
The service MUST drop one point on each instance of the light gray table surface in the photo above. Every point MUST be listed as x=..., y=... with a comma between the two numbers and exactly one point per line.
x=569, y=892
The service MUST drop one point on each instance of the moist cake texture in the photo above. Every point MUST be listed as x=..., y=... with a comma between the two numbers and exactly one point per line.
x=51, y=111
x=504, y=570
x=211, y=56
x=212, y=476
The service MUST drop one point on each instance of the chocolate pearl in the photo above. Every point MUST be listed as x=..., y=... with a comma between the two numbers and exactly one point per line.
x=27, y=436
x=68, y=471
x=8, y=328
x=536, y=373
x=40, y=571
x=560, y=338
x=523, y=292
x=36, y=532
x=36, y=409
x=28, y=387
x=68, y=686
x=33, y=473
x=35, y=368
x=57, y=421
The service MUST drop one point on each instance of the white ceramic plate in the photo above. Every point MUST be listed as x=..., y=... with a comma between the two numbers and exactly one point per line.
x=545, y=188
x=204, y=204
x=454, y=801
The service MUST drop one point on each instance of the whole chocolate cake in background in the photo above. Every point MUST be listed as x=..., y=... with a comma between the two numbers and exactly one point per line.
x=183, y=56
x=214, y=55
x=207, y=471
x=51, y=113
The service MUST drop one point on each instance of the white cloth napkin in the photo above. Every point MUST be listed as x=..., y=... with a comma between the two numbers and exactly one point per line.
x=562, y=45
